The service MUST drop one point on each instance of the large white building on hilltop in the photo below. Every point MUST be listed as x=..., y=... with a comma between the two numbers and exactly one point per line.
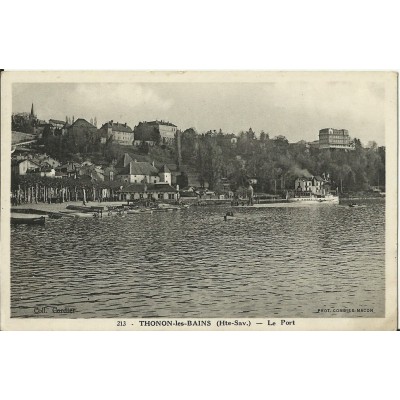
x=121, y=133
x=330, y=138
x=167, y=130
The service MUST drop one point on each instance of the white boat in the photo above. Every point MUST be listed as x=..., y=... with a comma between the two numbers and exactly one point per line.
x=138, y=211
x=327, y=198
x=168, y=207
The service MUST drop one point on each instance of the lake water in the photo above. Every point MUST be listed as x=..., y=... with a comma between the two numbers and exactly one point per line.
x=282, y=260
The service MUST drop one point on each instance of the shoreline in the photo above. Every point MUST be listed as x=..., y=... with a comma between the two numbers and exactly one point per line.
x=57, y=207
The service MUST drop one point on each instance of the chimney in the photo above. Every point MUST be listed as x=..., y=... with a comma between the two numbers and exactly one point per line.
x=152, y=163
x=125, y=124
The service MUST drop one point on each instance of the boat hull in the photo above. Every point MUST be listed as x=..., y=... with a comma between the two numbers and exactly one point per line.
x=28, y=221
x=315, y=200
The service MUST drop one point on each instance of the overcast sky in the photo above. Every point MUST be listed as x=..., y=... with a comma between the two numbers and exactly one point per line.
x=296, y=110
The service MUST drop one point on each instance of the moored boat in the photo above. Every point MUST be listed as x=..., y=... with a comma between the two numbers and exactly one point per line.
x=54, y=215
x=355, y=205
x=328, y=198
x=16, y=220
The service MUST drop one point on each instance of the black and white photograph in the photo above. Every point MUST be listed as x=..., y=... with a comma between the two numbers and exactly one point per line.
x=199, y=200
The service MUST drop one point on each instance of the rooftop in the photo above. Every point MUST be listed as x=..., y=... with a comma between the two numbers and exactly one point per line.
x=139, y=168
x=165, y=169
x=82, y=123
x=56, y=121
x=156, y=122
x=141, y=188
x=116, y=126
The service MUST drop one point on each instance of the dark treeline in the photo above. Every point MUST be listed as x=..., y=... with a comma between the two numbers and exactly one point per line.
x=32, y=189
x=276, y=164
x=77, y=146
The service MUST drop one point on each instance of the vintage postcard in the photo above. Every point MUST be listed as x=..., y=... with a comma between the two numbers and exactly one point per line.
x=199, y=200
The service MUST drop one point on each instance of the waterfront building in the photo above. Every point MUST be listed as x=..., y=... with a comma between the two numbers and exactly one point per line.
x=144, y=191
x=138, y=172
x=144, y=172
x=121, y=133
x=315, y=185
x=330, y=138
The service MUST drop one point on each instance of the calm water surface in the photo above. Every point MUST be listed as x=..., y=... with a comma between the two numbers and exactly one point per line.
x=283, y=260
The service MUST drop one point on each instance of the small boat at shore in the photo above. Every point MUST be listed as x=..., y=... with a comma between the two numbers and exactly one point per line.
x=28, y=220
x=54, y=215
x=228, y=216
x=168, y=207
x=355, y=205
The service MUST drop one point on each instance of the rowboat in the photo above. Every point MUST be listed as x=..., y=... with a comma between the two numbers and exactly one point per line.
x=85, y=209
x=55, y=215
x=138, y=211
x=228, y=216
x=28, y=220
x=168, y=207
x=355, y=205
x=133, y=212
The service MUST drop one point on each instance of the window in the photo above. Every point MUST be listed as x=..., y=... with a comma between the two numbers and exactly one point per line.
x=171, y=196
x=160, y=196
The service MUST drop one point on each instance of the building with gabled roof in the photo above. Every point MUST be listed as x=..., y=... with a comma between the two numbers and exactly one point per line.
x=138, y=172
x=23, y=166
x=144, y=172
x=314, y=184
x=81, y=127
x=121, y=133
x=165, y=174
x=167, y=130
